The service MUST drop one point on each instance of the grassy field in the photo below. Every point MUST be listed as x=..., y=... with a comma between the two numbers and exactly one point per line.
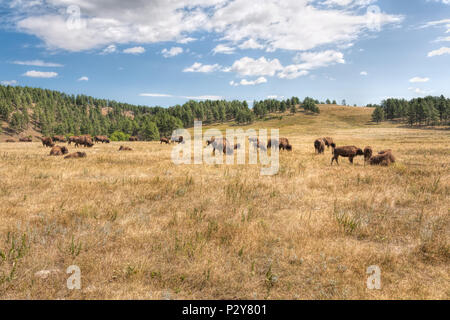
x=140, y=227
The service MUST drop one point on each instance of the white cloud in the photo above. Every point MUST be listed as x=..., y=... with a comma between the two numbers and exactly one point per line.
x=163, y=95
x=204, y=68
x=245, y=82
x=40, y=74
x=221, y=48
x=38, y=63
x=288, y=24
x=156, y=95
x=134, y=50
x=203, y=97
x=364, y=73
x=419, y=91
x=418, y=79
x=272, y=97
x=292, y=72
x=172, y=52
x=439, y=52
x=84, y=78
x=9, y=82
x=260, y=67
x=109, y=49
x=251, y=44
x=442, y=39
x=186, y=40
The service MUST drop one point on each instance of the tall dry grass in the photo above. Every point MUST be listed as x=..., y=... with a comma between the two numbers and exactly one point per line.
x=140, y=227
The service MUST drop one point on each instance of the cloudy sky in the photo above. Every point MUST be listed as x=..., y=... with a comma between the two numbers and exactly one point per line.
x=164, y=52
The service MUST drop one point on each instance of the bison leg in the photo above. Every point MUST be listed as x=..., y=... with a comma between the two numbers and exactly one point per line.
x=350, y=159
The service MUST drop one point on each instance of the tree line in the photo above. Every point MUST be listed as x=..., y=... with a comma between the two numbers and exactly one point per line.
x=56, y=113
x=419, y=111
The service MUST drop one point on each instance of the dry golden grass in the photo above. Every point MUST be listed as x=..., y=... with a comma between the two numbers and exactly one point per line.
x=140, y=227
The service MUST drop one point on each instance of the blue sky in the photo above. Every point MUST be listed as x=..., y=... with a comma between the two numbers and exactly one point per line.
x=164, y=53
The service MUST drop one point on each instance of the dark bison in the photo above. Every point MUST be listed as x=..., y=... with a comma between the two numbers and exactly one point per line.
x=10, y=140
x=178, y=139
x=283, y=143
x=85, y=141
x=165, y=140
x=224, y=146
x=124, y=148
x=25, y=139
x=367, y=153
x=133, y=138
x=58, y=151
x=328, y=141
x=383, y=159
x=102, y=139
x=211, y=140
x=47, y=141
x=77, y=154
x=347, y=151
x=319, y=146
x=59, y=139
x=72, y=139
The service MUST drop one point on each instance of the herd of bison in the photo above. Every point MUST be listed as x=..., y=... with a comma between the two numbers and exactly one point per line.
x=384, y=157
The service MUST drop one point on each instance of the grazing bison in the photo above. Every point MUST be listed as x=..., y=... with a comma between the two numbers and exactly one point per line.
x=223, y=145
x=58, y=151
x=383, y=159
x=165, y=140
x=77, y=154
x=10, y=140
x=72, y=139
x=178, y=139
x=25, y=139
x=211, y=140
x=102, y=139
x=347, y=151
x=283, y=143
x=319, y=146
x=123, y=148
x=367, y=153
x=328, y=141
x=59, y=139
x=47, y=141
x=133, y=138
x=85, y=141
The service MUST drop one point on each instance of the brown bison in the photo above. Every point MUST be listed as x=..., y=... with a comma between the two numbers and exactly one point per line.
x=10, y=140
x=59, y=139
x=165, y=140
x=347, y=151
x=133, y=138
x=25, y=139
x=211, y=140
x=77, y=154
x=367, y=153
x=328, y=141
x=283, y=143
x=383, y=159
x=178, y=139
x=85, y=141
x=102, y=139
x=319, y=146
x=72, y=139
x=58, y=151
x=384, y=151
x=47, y=142
x=124, y=148
x=224, y=146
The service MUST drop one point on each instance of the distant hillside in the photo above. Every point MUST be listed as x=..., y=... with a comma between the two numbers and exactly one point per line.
x=29, y=111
